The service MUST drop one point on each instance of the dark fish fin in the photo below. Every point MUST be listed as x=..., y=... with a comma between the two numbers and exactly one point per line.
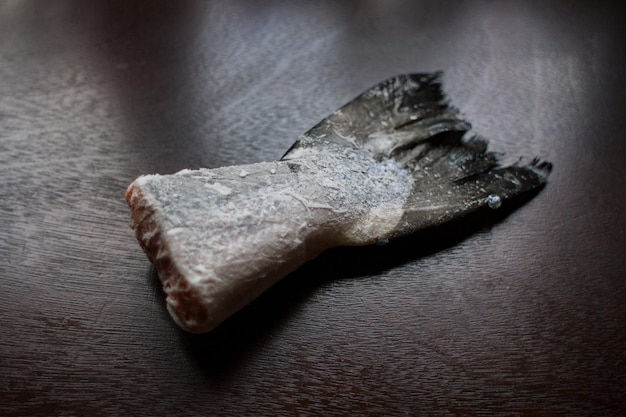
x=407, y=118
x=464, y=158
x=456, y=177
x=389, y=118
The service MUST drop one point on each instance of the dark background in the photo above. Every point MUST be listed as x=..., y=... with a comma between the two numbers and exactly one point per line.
x=518, y=314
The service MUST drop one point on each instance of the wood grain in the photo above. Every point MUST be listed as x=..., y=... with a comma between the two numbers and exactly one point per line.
x=521, y=314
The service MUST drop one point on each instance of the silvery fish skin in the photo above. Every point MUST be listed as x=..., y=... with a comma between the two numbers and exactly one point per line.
x=391, y=162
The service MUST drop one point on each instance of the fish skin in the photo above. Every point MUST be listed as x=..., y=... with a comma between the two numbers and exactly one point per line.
x=392, y=161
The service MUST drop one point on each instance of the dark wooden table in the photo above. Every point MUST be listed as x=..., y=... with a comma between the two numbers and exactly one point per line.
x=522, y=314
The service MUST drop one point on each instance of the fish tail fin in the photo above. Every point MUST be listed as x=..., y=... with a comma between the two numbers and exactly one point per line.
x=454, y=177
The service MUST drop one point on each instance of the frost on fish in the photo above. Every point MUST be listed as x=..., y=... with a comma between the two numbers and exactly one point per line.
x=391, y=162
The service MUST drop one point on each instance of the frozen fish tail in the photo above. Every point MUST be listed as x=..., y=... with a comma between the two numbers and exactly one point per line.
x=392, y=161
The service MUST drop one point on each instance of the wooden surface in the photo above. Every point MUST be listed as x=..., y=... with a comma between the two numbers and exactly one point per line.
x=522, y=314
